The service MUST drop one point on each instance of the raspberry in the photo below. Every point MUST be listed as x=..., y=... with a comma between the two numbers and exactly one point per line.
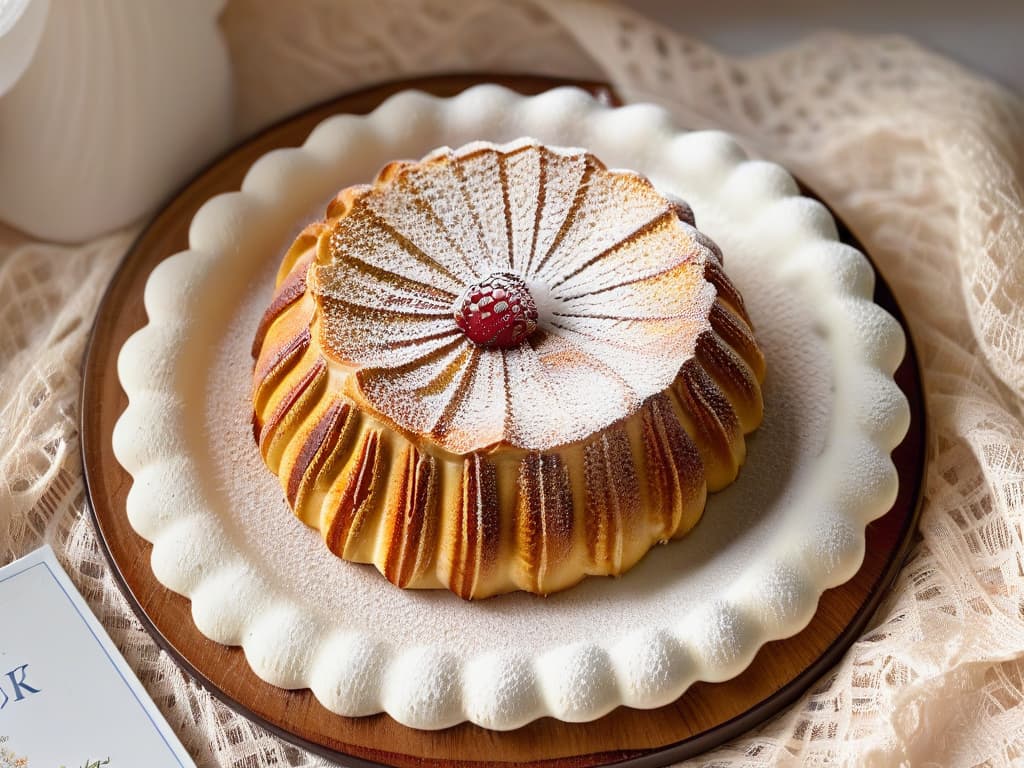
x=497, y=312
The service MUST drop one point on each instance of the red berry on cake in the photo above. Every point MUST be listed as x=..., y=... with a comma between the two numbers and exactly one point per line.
x=497, y=312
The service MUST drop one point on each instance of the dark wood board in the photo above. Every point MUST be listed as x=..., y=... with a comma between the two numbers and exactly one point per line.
x=705, y=716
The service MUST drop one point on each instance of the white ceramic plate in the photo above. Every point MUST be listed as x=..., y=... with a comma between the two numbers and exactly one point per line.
x=818, y=470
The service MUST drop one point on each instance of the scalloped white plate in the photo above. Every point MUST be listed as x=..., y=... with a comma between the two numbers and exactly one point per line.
x=817, y=471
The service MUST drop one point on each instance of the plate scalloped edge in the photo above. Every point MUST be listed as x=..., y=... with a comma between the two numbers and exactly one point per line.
x=426, y=687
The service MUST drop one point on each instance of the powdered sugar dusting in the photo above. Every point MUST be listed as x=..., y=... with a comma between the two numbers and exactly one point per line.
x=621, y=279
x=669, y=581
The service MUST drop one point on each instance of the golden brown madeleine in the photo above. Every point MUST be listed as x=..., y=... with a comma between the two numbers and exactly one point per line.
x=503, y=368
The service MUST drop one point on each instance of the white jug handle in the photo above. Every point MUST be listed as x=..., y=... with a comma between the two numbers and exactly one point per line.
x=21, y=26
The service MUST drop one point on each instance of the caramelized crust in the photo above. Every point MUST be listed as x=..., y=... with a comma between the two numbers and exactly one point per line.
x=505, y=518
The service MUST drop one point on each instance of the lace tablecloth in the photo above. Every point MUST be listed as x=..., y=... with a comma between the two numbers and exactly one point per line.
x=922, y=158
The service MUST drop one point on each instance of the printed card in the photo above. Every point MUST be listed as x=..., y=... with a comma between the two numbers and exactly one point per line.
x=67, y=697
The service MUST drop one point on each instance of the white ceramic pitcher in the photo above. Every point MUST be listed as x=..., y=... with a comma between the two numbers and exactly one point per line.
x=120, y=102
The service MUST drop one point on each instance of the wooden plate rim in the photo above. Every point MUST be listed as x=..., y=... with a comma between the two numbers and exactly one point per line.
x=642, y=758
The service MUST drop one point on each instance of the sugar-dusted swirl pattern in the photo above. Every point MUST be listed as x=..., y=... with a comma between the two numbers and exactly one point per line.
x=616, y=267
x=506, y=517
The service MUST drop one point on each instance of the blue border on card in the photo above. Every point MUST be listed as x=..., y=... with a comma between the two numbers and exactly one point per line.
x=106, y=653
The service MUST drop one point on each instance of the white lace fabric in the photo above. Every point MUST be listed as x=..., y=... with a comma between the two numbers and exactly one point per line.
x=922, y=158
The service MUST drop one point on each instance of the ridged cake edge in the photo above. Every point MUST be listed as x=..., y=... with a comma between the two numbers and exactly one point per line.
x=353, y=672
x=562, y=513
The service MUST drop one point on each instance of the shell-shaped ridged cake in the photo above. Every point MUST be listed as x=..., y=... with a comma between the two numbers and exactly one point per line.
x=503, y=368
